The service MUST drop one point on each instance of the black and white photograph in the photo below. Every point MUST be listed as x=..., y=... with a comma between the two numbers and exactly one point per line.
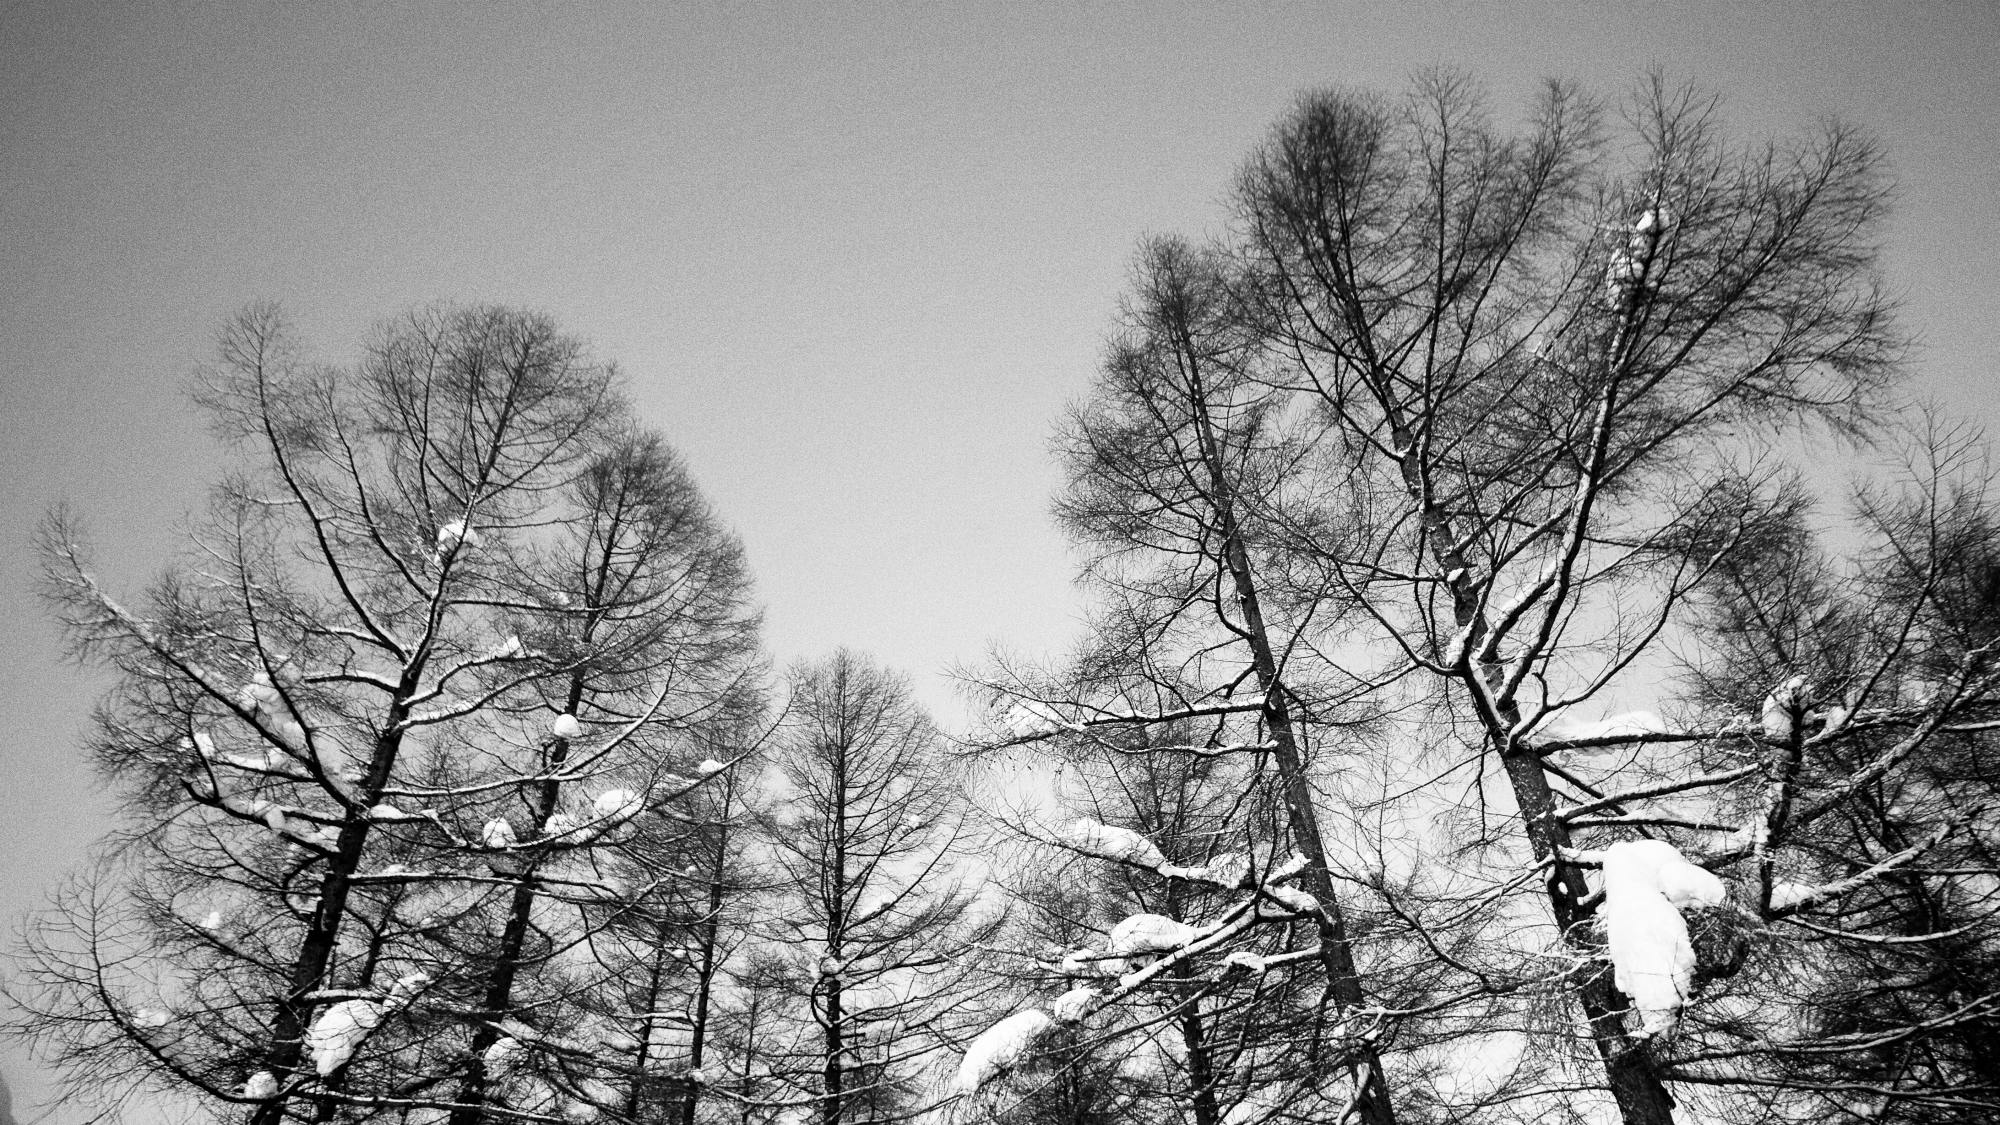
x=968, y=562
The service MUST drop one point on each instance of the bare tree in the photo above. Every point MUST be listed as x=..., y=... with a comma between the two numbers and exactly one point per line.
x=872, y=930
x=649, y=626
x=1171, y=466
x=1866, y=845
x=671, y=959
x=1194, y=1044
x=1435, y=454
x=319, y=711
x=1532, y=371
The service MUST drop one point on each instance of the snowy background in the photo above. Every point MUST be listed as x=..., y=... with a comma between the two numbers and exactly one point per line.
x=853, y=260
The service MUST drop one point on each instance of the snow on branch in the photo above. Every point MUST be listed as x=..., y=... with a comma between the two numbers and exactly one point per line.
x=1797, y=897
x=1646, y=884
x=1037, y=721
x=1000, y=1048
x=1121, y=845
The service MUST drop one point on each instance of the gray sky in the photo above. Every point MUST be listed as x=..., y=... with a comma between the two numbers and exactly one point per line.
x=854, y=258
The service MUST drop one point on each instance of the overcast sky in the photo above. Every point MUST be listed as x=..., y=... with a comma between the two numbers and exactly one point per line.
x=853, y=258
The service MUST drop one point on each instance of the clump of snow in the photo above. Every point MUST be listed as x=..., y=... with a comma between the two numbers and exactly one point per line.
x=333, y=1037
x=1108, y=842
x=561, y=824
x=1688, y=886
x=1626, y=724
x=579, y=1112
x=1294, y=899
x=1245, y=960
x=1785, y=895
x=213, y=921
x=498, y=833
x=1781, y=708
x=1628, y=268
x=1749, y=837
x=262, y=1084
x=618, y=805
x=566, y=726
x=259, y=695
x=1293, y=864
x=1073, y=1005
x=150, y=1018
x=457, y=533
x=1652, y=960
x=263, y=760
x=710, y=765
x=1030, y=716
x=338, y=1031
x=387, y=812
x=274, y=817
x=1079, y=963
x=1150, y=933
x=505, y=1056
x=999, y=1048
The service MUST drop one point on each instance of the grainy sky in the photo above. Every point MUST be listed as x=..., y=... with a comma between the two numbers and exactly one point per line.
x=853, y=258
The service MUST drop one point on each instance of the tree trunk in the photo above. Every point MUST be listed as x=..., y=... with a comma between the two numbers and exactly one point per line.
x=644, y=1055
x=1642, y=1098
x=1336, y=955
x=836, y=925
x=710, y=935
x=499, y=997
x=309, y=971
x=1201, y=1068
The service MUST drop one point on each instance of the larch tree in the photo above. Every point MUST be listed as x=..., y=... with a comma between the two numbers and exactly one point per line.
x=1174, y=465
x=1447, y=445
x=1546, y=376
x=873, y=929
x=671, y=956
x=1196, y=1043
x=384, y=632
x=1859, y=682
x=650, y=637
